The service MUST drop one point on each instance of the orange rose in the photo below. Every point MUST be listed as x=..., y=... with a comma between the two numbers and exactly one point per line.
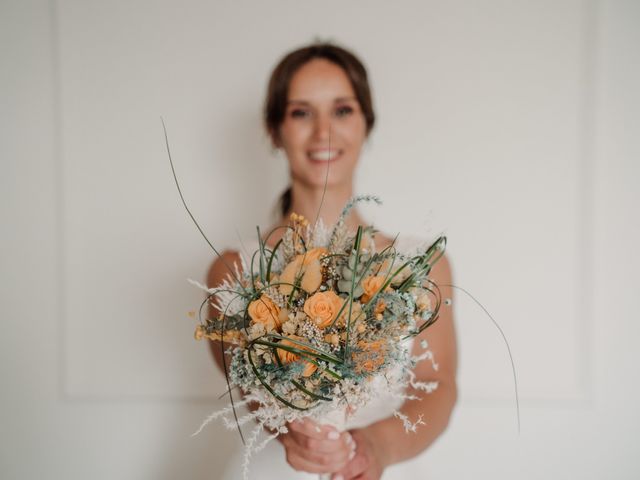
x=356, y=312
x=371, y=285
x=309, y=368
x=323, y=307
x=307, y=265
x=264, y=311
x=287, y=357
x=314, y=254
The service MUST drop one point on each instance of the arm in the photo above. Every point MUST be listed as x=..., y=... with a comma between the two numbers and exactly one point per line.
x=218, y=271
x=386, y=442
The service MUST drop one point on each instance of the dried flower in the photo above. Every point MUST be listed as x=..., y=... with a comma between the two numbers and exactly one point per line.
x=288, y=357
x=265, y=311
x=323, y=307
x=371, y=285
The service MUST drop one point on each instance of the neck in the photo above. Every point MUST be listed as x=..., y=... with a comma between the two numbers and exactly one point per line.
x=307, y=201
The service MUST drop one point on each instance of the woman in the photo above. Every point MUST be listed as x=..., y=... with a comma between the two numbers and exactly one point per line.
x=318, y=97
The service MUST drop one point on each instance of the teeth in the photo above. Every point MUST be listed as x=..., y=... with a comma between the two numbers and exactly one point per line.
x=323, y=155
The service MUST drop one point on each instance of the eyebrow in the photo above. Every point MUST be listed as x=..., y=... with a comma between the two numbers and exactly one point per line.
x=304, y=102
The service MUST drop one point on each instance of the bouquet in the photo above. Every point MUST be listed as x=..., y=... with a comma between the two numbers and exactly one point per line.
x=314, y=319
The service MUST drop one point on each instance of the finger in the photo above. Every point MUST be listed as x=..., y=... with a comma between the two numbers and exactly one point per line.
x=332, y=441
x=311, y=461
x=313, y=429
x=300, y=463
x=336, y=459
x=355, y=468
x=349, y=442
x=325, y=446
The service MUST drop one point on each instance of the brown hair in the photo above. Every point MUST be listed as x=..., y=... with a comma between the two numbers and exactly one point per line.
x=275, y=105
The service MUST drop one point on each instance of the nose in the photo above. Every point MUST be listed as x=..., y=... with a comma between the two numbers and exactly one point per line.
x=323, y=126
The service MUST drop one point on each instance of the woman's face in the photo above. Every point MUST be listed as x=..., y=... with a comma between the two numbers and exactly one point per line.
x=321, y=100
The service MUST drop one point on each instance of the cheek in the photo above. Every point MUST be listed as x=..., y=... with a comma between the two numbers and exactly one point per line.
x=354, y=131
x=294, y=134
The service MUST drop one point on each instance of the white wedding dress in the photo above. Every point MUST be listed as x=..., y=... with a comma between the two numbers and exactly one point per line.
x=270, y=463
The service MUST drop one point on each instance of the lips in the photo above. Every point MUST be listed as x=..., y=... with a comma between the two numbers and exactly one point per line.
x=324, y=155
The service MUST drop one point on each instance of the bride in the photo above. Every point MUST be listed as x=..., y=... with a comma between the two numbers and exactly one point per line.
x=319, y=96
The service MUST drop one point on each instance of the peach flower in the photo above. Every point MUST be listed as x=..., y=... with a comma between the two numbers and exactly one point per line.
x=314, y=254
x=380, y=307
x=323, y=307
x=309, y=368
x=356, y=312
x=264, y=311
x=288, y=357
x=199, y=333
x=370, y=357
x=371, y=285
x=307, y=265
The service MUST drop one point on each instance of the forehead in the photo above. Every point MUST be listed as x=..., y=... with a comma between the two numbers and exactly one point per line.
x=320, y=81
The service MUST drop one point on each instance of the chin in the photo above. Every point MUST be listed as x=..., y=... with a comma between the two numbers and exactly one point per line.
x=339, y=168
x=313, y=172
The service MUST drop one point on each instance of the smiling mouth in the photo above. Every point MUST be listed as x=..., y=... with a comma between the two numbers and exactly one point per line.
x=324, y=155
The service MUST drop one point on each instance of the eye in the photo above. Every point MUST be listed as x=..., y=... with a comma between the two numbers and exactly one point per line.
x=344, y=110
x=299, y=113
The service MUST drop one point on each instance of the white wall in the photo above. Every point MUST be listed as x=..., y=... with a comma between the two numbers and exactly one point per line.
x=514, y=125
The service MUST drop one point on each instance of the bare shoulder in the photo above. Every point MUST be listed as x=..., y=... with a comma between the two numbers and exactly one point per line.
x=441, y=335
x=222, y=266
x=441, y=270
x=219, y=270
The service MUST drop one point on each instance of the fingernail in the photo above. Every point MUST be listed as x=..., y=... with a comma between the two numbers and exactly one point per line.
x=333, y=435
x=338, y=477
x=352, y=454
x=349, y=439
